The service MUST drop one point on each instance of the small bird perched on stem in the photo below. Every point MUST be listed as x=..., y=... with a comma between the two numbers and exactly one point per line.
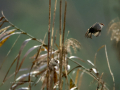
x=94, y=30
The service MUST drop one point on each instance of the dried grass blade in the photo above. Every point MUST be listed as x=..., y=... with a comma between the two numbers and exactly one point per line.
x=7, y=33
x=9, y=69
x=63, y=49
x=20, y=29
x=20, y=51
x=48, y=60
x=15, y=85
x=29, y=78
x=99, y=81
x=22, y=77
x=110, y=68
x=40, y=49
x=88, y=72
x=37, y=75
x=75, y=57
x=31, y=49
x=96, y=54
x=5, y=28
x=23, y=88
x=53, y=23
x=90, y=62
x=76, y=78
x=80, y=80
x=44, y=84
x=9, y=51
x=73, y=69
x=14, y=73
x=7, y=37
x=1, y=18
x=23, y=45
x=60, y=49
x=3, y=23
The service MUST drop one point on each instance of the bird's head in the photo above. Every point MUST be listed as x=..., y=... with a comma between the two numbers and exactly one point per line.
x=101, y=24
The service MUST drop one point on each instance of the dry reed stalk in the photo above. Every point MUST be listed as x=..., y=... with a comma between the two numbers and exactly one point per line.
x=48, y=59
x=60, y=48
x=53, y=25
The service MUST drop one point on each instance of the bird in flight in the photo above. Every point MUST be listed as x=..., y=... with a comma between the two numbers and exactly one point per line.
x=94, y=30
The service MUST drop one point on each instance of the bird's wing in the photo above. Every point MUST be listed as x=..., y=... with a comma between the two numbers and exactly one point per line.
x=88, y=35
x=97, y=34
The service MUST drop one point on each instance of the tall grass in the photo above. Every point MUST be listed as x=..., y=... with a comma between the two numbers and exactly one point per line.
x=51, y=61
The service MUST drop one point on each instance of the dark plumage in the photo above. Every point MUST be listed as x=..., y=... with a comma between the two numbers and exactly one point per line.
x=94, y=30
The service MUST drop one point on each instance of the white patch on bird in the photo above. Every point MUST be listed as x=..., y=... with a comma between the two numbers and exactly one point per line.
x=101, y=25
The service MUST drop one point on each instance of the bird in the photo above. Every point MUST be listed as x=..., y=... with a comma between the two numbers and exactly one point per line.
x=95, y=30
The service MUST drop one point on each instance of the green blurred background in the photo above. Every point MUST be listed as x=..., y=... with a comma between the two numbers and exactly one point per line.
x=32, y=17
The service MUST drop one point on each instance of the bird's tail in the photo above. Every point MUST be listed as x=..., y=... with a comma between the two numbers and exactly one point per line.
x=88, y=35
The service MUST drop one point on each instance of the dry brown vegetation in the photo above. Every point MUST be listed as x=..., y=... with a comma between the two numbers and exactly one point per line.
x=50, y=65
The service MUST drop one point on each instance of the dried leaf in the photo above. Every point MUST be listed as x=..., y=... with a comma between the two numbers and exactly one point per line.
x=74, y=88
x=76, y=58
x=95, y=71
x=4, y=29
x=90, y=62
x=71, y=84
x=45, y=47
x=76, y=79
x=6, y=38
x=23, y=88
x=3, y=41
x=7, y=33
